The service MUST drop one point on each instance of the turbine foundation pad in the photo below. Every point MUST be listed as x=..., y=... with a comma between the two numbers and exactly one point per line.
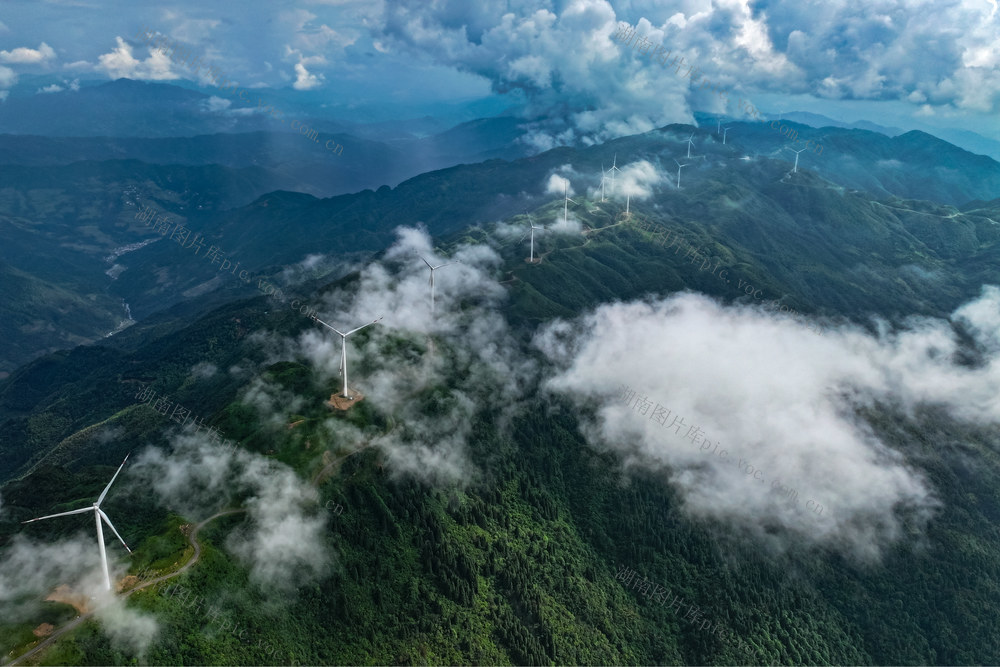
x=338, y=402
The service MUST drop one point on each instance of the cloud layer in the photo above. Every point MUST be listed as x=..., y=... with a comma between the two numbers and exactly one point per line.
x=783, y=400
x=591, y=88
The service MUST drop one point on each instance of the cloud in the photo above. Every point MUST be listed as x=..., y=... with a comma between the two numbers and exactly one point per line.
x=216, y=104
x=25, y=56
x=120, y=63
x=283, y=541
x=189, y=30
x=587, y=87
x=53, y=88
x=430, y=375
x=556, y=185
x=637, y=179
x=204, y=370
x=7, y=77
x=31, y=570
x=304, y=80
x=785, y=401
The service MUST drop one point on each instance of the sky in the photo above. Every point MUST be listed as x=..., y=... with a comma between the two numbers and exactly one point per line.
x=902, y=63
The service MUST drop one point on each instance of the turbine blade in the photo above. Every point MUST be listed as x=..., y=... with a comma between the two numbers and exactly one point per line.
x=364, y=325
x=52, y=516
x=325, y=324
x=105, y=492
x=108, y=521
x=425, y=261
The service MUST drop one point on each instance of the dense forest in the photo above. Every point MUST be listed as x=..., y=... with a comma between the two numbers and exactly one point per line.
x=551, y=552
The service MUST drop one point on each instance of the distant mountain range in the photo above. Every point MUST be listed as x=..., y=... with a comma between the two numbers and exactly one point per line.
x=70, y=202
x=970, y=141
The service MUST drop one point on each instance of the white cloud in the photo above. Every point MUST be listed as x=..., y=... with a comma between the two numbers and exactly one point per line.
x=283, y=545
x=215, y=104
x=637, y=179
x=25, y=56
x=556, y=185
x=304, y=80
x=768, y=391
x=120, y=63
x=53, y=88
x=7, y=77
x=591, y=87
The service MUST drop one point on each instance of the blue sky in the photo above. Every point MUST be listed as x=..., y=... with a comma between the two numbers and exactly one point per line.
x=892, y=62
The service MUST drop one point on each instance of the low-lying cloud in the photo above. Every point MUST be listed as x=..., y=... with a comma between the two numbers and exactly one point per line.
x=781, y=398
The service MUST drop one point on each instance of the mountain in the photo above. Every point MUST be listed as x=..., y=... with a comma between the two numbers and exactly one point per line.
x=970, y=141
x=259, y=233
x=532, y=556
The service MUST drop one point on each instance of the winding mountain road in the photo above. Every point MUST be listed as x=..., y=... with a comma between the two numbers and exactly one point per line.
x=192, y=538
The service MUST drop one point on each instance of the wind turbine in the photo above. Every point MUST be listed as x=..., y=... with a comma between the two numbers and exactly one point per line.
x=725, y=131
x=795, y=169
x=433, y=269
x=98, y=515
x=566, y=203
x=614, y=168
x=690, y=143
x=343, y=347
x=718, y=125
x=532, y=255
x=679, y=167
x=531, y=232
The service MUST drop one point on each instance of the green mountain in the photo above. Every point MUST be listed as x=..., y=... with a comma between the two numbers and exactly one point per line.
x=526, y=558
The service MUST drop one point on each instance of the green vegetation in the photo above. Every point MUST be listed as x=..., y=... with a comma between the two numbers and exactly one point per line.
x=517, y=566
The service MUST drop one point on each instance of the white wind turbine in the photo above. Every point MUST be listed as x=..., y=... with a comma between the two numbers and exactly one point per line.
x=690, y=143
x=795, y=169
x=433, y=269
x=343, y=347
x=725, y=131
x=566, y=202
x=679, y=167
x=614, y=168
x=531, y=233
x=98, y=516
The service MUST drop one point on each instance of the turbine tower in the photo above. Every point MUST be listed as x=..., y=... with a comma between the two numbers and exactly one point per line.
x=343, y=347
x=614, y=168
x=433, y=269
x=690, y=143
x=725, y=131
x=98, y=516
x=679, y=167
x=566, y=202
x=532, y=233
x=718, y=125
x=795, y=169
